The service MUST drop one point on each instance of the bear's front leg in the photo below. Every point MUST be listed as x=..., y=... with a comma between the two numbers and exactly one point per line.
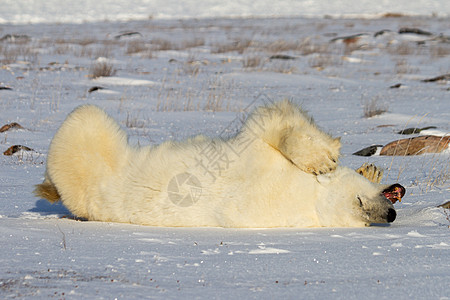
x=371, y=172
x=313, y=152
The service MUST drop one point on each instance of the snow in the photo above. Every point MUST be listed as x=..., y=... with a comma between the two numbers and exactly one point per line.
x=66, y=11
x=194, y=86
x=122, y=81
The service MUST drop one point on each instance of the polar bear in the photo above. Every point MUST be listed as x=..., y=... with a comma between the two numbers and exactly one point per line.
x=279, y=170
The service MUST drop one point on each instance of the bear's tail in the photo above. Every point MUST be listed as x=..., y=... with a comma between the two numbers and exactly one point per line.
x=88, y=149
x=47, y=190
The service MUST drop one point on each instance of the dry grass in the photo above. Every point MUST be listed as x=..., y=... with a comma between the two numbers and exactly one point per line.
x=282, y=46
x=192, y=66
x=84, y=47
x=103, y=51
x=133, y=121
x=403, y=48
x=160, y=44
x=433, y=169
x=82, y=41
x=238, y=46
x=214, y=95
x=214, y=103
x=163, y=45
x=303, y=47
x=373, y=107
x=283, y=67
x=434, y=172
x=307, y=47
x=84, y=51
x=402, y=67
x=63, y=49
x=193, y=43
x=140, y=48
x=176, y=100
x=439, y=51
x=321, y=61
x=11, y=53
x=8, y=55
x=253, y=61
x=101, y=69
x=219, y=96
x=27, y=157
x=135, y=46
x=438, y=172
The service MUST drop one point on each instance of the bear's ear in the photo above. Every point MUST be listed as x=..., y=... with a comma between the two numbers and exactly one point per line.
x=337, y=140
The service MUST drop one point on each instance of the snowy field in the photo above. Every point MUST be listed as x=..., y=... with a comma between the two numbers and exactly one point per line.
x=69, y=11
x=168, y=78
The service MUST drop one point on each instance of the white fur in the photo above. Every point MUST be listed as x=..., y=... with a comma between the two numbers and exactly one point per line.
x=268, y=175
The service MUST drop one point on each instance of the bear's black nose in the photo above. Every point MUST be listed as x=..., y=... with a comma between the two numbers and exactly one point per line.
x=391, y=215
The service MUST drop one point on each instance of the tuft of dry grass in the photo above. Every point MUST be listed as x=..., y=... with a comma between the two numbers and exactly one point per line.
x=101, y=69
x=253, y=61
x=192, y=66
x=135, y=46
x=373, y=107
x=82, y=41
x=214, y=95
x=307, y=47
x=195, y=42
x=238, y=46
x=139, y=47
x=103, y=51
x=8, y=55
x=83, y=47
x=282, y=46
x=433, y=171
x=11, y=53
x=283, y=67
x=84, y=51
x=321, y=61
x=134, y=121
x=62, y=49
x=304, y=47
x=402, y=67
x=403, y=48
x=439, y=172
x=163, y=45
x=439, y=51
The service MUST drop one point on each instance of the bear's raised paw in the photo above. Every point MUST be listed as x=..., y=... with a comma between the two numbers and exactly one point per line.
x=314, y=154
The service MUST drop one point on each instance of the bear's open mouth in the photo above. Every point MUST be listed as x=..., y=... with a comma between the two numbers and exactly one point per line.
x=394, y=193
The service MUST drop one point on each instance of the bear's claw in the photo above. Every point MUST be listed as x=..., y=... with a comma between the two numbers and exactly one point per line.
x=371, y=172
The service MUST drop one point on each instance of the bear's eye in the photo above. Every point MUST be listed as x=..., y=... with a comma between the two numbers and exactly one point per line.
x=360, y=202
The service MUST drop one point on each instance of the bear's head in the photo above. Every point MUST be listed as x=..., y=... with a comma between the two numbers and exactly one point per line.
x=355, y=200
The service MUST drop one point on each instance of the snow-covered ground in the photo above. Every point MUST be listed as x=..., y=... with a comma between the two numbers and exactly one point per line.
x=69, y=11
x=176, y=78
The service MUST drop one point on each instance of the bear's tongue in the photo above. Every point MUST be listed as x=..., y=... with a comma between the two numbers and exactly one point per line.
x=394, y=193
